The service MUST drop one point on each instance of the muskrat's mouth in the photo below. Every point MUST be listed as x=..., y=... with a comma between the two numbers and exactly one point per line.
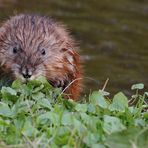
x=26, y=81
x=23, y=79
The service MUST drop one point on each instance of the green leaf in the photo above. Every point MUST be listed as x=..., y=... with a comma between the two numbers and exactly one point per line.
x=91, y=108
x=48, y=118
x=86, y=118
x=37, y=89
x=81, y=107
x=120, y=103
x=98, y=145
x=145, y=115
x=25, y=90
x=140, y=122
x=44, y=103
x=137, y=86
x=80, y=127
x=8, y=93
x=4, y=123
x=19, y=123
x=22, y=107
x=16, y=84
x=130, y=138
x=38, y=96
x=28, y=129
x=91, y=138
x=67, y=119
x=38, y=82
x=112, y=124
x=98, y=99
x=42, y=80
x=5, y=111
x=146, y=93
x=69, y=104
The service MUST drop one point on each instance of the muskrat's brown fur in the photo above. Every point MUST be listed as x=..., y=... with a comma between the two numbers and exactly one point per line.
x=32, y=45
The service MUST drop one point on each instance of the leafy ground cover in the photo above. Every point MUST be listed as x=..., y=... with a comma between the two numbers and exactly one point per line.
x=35, y=115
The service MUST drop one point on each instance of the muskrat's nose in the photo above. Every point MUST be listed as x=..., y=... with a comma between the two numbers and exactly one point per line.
x=26, y=76
x=26, y=73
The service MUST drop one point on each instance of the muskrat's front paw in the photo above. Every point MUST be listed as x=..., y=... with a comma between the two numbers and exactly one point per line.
x=59, y=83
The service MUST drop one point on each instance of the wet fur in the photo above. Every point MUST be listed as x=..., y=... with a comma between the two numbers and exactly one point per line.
x=32, y=33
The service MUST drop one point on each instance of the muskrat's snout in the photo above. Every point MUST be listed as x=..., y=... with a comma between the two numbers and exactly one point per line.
x=26, y=72
x=27, y=67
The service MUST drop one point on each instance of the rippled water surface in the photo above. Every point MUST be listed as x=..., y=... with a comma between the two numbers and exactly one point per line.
x=113, y=36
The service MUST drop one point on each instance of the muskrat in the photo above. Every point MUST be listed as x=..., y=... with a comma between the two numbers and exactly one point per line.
x=33, y=46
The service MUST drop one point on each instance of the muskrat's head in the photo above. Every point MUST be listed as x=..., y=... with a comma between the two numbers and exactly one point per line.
x=31, y=46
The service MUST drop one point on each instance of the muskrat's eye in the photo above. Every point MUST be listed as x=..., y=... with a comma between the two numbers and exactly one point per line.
x=15, y=50
x=43, y=51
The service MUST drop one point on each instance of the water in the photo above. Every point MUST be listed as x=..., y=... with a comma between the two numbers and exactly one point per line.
x=113, y=36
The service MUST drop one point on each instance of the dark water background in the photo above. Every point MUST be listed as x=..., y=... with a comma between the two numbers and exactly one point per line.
x=113, y=36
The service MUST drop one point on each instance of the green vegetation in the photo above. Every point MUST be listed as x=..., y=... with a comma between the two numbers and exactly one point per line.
x=36, y=115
